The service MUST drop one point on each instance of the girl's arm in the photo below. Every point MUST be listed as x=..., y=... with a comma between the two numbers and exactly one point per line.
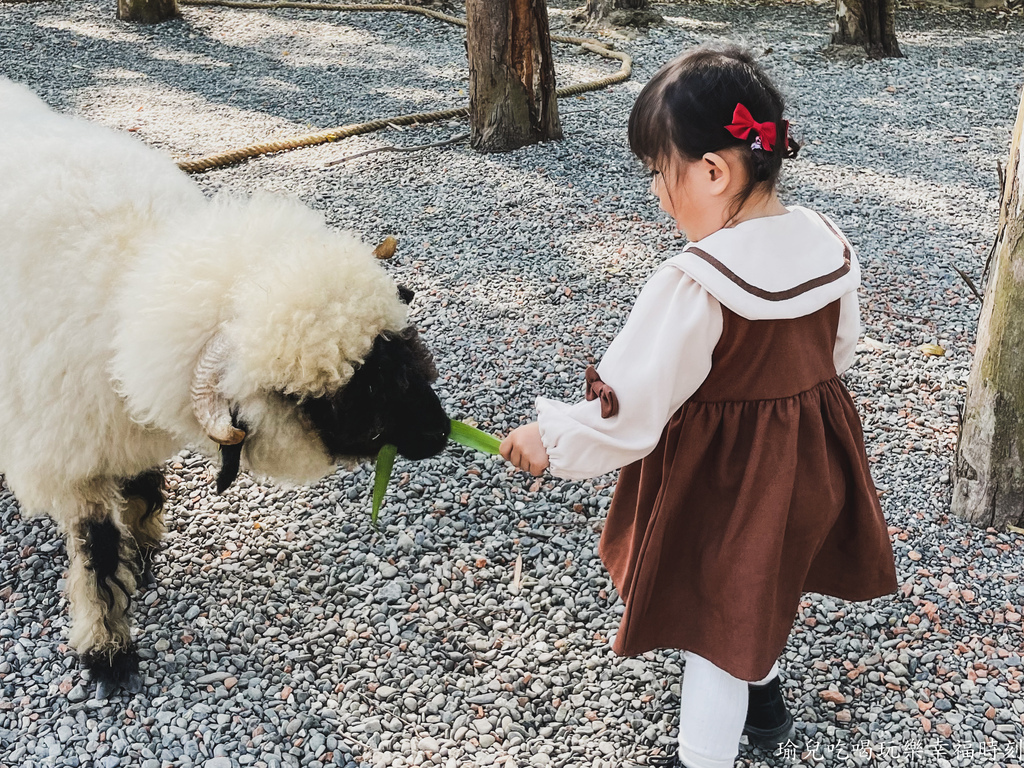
x=660, y=358
x=844, y=352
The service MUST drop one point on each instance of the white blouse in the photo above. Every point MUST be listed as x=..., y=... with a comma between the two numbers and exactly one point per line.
x=772, y=267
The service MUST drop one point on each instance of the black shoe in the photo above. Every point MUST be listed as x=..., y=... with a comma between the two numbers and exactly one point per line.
x=668, y=760
x=768, y=720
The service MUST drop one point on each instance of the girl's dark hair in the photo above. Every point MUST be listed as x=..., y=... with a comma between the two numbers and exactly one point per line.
x=689, y=101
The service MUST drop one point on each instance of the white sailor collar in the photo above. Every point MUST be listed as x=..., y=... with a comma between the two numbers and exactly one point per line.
x=773, y=267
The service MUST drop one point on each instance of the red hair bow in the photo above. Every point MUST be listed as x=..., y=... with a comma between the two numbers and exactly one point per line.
x=743, y=123
x=598, y=389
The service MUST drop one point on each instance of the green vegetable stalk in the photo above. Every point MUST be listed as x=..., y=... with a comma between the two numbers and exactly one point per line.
x=471, y=437
x=461, y=433
x=381, y=476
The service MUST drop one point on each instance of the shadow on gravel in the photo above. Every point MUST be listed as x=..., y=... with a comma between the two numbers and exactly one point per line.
x=307, y=81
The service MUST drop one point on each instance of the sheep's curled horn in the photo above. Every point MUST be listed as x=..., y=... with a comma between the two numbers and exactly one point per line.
x=211, y=408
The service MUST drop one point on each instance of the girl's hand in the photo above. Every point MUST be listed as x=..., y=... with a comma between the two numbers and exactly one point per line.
x=523, y=447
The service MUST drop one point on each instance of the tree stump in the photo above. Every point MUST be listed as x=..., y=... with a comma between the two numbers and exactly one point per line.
x=147, y=11
x=634, y=13
x=511, y=75
x=988, y=485
x=868, y=23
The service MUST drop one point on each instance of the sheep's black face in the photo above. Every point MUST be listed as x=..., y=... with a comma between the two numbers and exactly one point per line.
x=387, y=400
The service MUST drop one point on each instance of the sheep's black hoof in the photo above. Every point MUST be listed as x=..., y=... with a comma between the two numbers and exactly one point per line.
x=114, y=673
x=105, y=690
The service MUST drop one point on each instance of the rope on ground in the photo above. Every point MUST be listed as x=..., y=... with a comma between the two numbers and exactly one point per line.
x=230, y=157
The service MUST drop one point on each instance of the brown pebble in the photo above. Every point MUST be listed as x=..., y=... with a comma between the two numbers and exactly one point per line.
x=386, y=248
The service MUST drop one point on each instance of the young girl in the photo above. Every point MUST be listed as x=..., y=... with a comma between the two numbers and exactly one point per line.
x=744, y=477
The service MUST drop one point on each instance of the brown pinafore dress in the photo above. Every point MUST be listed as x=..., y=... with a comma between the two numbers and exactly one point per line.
x=758, y=491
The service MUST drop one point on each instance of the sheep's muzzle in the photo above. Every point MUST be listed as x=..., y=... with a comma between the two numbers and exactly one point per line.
x=388, y=400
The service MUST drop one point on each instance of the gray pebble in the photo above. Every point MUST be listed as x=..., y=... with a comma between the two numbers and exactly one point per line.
x=78, y=694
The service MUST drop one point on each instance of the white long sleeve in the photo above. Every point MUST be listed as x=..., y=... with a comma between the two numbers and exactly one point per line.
x=849, y=331
x=658, y=360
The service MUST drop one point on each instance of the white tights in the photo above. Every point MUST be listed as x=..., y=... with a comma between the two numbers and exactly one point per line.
x=713, y=708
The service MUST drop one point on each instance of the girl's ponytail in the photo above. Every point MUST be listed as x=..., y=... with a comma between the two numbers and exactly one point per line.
x=765, y=163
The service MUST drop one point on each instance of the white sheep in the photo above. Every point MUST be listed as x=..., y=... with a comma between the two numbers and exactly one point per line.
x=141, y=317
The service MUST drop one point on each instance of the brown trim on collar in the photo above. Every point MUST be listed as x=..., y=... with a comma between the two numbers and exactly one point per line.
x=789, y=293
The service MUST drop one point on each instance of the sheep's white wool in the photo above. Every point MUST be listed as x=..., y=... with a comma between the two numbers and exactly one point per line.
x=285, y=450
x=76, y=205
x=118, y=270
x=298, y=303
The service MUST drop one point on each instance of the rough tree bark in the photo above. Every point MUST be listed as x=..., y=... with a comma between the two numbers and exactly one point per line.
x=870, y=23
x=988, y=486
x=147, y=11
x=511, y=74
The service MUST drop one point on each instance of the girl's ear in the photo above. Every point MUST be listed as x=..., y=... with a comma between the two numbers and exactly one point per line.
x=717, y=173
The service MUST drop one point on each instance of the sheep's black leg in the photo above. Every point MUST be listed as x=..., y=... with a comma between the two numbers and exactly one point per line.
x=101, y=580
x=143, y=514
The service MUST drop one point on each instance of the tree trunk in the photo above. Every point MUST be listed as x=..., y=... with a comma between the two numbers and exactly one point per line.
x=511, y=75
x=147, y=11
x=870, y=23
x=988, y=486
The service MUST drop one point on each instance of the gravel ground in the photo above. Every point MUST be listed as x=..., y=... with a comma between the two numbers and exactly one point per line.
x=284, y=631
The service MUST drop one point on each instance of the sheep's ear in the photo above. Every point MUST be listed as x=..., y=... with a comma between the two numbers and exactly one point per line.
x=231, y=457
x=405, y=294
